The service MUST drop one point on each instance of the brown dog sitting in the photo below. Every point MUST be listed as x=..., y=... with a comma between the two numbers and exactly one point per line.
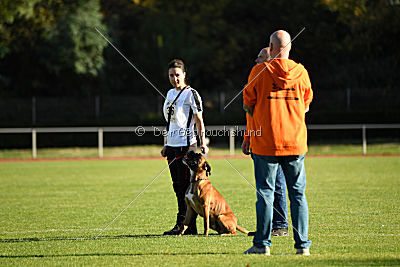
x=202, y=198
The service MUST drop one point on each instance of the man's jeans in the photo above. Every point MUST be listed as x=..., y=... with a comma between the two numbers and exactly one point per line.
x=265, y=168
x=279, y=219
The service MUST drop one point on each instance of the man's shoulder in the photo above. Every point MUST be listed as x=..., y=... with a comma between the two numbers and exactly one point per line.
x=296, y=64
x=260, y=66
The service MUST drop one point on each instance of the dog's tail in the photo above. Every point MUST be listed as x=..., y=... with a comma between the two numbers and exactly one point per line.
x=241, y=229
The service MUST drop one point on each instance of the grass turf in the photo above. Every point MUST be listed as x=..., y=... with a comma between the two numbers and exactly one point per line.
x=51, y=210
x=154, y=151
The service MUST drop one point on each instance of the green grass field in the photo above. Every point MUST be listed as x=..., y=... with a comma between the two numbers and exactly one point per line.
x=389, y=148
x=51, y=210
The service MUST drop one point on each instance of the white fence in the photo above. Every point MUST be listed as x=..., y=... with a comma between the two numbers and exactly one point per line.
x=226, y=130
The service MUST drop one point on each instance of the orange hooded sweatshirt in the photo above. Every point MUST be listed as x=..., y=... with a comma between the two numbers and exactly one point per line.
x=280, y=95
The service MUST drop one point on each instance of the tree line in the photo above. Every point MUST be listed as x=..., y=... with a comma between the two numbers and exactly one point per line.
x=52, y=48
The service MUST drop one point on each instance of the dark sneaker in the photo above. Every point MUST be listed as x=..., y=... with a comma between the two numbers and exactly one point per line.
x=192, y=230
x=303, y=251
x=280, y=232
x=275, y=232
x=174, y=231
x=258, y=250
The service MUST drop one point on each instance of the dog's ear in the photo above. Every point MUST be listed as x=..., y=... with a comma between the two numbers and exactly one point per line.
x=207, y=168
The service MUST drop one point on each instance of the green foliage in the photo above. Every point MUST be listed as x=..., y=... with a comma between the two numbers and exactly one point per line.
x=50, y=47
x=13, y=9
x=79, y=47
x=368, y=43
x=56, y=44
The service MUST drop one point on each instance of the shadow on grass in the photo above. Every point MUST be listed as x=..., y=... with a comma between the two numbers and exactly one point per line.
x=113, y=254
x=315, y=261
x=42, y=239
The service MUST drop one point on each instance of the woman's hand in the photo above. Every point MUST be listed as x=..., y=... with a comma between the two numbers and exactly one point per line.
x=164, y=151
x=198, y=118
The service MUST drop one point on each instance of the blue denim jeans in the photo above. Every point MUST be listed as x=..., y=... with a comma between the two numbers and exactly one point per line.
x=279, y=219
x=265, y=169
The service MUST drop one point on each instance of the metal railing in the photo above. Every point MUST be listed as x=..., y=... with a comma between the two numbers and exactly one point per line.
x=228, y=130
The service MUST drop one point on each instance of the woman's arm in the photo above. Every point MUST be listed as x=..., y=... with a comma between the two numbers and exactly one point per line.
x=164, y=149
x=201, y=131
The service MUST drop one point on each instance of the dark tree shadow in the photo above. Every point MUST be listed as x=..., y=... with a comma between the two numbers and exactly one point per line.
x=114, y=254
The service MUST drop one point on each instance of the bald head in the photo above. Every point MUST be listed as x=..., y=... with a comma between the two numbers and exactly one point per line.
x=280, y=44
x=263, y=55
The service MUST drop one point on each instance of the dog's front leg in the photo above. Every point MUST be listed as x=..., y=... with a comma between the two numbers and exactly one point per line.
x=188, y=218
x=185, y=227
x=206, y=218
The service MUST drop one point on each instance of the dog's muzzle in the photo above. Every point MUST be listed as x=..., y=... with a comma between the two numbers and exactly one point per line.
x=191, y=161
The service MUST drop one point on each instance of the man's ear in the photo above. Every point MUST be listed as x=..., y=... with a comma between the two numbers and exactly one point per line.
x=207, y=168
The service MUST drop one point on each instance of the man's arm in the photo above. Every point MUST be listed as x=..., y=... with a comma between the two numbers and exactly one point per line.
x=247, y=134
x=308, y=94
x=249, y=101
x=249, y=92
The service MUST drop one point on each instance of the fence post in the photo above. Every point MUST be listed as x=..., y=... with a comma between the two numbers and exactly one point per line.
x=34, y=145
x=33, y=110
x=231, y=141
x=100, y=141
x=348, y=98
x=364, y=138
x=160, y=105
x=97, y=107
x=221, y=101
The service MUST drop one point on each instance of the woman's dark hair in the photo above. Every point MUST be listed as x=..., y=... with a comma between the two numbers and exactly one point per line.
x=177, y=63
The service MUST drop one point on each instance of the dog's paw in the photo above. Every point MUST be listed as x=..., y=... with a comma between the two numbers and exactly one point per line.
x=180, y=234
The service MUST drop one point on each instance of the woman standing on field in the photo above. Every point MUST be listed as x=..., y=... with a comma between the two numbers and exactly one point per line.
x=182, y=109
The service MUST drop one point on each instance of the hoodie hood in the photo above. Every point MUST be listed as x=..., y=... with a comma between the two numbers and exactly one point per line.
x=285, y=72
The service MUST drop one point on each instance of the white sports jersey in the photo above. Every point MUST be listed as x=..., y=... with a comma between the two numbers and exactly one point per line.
x=181, y=132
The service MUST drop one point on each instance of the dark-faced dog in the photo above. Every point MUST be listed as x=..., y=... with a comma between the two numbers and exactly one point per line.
x=202, y=198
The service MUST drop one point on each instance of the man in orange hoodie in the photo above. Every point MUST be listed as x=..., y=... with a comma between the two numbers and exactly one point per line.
x=276, y=98
x=279, y=219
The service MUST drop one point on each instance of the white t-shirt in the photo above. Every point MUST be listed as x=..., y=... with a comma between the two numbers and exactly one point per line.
x=179, y=128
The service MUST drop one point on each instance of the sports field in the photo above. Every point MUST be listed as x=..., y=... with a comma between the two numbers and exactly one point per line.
x=51, y=210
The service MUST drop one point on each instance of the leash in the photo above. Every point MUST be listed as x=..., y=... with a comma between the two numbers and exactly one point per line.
x=201, y=179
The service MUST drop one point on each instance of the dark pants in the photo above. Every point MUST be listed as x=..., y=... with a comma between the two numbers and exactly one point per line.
x=180, y=175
